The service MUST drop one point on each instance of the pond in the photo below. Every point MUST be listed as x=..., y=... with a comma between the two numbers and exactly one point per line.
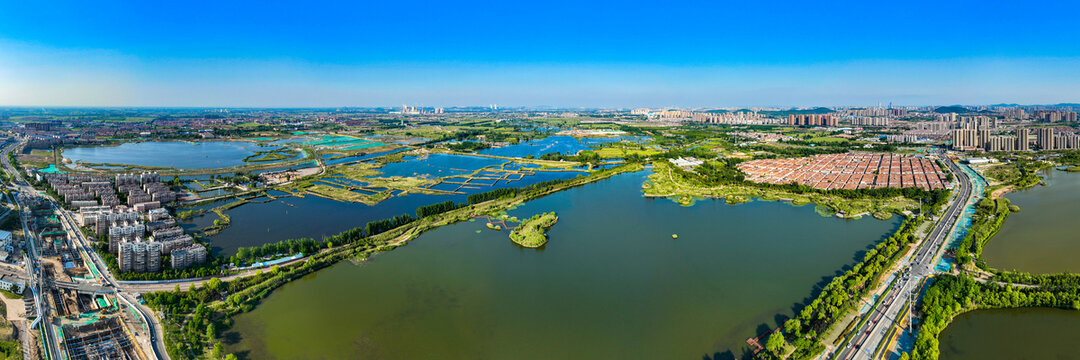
x=1042, y=237
x=1012, y=334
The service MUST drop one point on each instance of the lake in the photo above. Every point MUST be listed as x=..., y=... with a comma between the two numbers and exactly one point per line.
x=175, y=154
x=1012, y=334
x=610, y=283
x=316, y=217
x=1042, y=237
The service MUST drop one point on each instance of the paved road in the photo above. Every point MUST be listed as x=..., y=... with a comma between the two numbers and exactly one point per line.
x=869, y=336
x=41, y=308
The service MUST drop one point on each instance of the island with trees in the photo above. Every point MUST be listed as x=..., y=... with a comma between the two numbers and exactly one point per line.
x=532, y=232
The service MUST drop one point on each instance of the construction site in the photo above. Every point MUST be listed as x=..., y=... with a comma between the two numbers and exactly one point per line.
x=105, y=337
x=87, y=320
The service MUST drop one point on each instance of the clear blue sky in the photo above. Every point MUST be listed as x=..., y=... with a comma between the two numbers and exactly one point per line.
x=557, y=53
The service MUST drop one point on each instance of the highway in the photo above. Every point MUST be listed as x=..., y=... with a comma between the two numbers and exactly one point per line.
x=870, y=335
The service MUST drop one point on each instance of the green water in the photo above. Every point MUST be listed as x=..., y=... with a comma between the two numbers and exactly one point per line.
x=1042, y=237
x=611, y=283
x=1012, y=334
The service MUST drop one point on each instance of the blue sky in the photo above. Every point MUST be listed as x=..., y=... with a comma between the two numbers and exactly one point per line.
x=555, y=53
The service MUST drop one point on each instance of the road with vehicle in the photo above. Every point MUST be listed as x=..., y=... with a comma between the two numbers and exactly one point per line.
x=868, y=338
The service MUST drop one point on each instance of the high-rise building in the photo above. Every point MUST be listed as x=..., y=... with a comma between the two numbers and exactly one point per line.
x=812, y=119
x=1022, y=142
x=1044, y=137
x=191, y=255
x=140, y=256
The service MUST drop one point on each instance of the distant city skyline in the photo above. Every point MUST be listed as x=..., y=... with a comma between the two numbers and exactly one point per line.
x=558, y=54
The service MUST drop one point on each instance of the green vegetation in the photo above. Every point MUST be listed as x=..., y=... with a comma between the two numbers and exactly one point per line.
x=990, y=214
x=531, y=233
x=953, y=295
x=247, y=255
x=843, y=293
x=435, y=209
x=272, y=155
x=468, y=146
x=1021, y=173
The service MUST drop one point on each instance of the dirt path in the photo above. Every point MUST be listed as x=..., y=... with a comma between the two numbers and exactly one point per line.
x=1000, y=192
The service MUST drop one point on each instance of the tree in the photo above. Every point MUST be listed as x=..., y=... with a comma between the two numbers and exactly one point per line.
x=211, y=331
x=793, y=326
x=218, y=350
x=775, y=344
x=213, y=284
x=230, y=357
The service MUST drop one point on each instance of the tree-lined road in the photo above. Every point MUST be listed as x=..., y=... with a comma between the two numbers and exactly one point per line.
x=872, y=333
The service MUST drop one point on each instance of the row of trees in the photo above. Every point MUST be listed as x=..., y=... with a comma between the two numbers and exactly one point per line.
x=844, y=291
x=381, y=226
x=1052, y=281
x=586, y=156
x=502, y=192
x=435, y=209
x=291, y=246
x=468, y=146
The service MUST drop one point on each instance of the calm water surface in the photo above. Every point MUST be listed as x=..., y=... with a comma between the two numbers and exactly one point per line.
x=176, y=154
x=1012, y=334
x=610, y=284
x=1043, y=236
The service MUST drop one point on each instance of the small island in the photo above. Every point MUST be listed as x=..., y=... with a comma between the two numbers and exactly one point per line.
x=531, y=233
